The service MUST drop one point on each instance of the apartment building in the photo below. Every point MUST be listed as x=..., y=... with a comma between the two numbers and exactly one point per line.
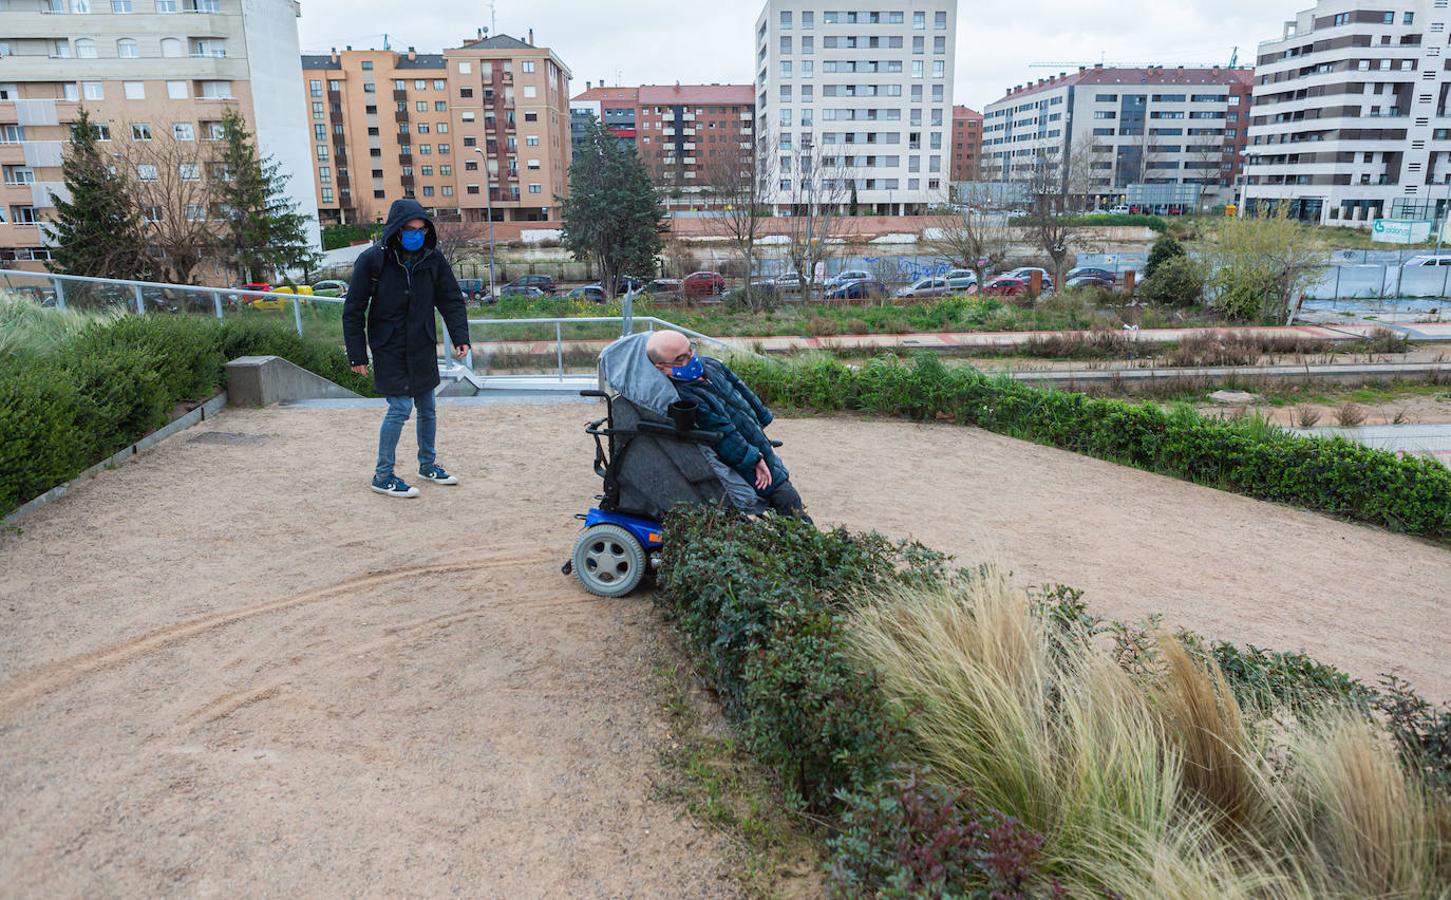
x=479, y=129
x=861, y=92
x=1128, y=127
x=1350, y=121
x=966, y=143
x=684, y=133
x=143, y=70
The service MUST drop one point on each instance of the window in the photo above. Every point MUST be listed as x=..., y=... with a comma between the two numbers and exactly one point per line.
x=367, y=65
x=531, y=140
x=919, y=20
x=443, y=149
x=24, y=215
x=120, y=6
x=402, y=127
x=439, y=84
x=19, y=175
x=939, y=45
x=939, y=21
x=425, y=149
x=785, y=68
x=81, y=7
x=214, y=130
x=93, y=90
x=917, y=68
x=85, y=48
x=322, y=151
x=807, y=68
x=448, y=190
x=472, y=189
x=183, y=131
x=319, y=132
x=471, y=165
x=327, y=195
x=126, y=48
x=146, y=172
x=370, y=87
x=426, y=171
x=428, y=190
x=420, y=106
x=939, y=68
x=440, y=106
x=786, y=19
x=216, y=90
x=533, y=164
x=189, y=172
x=465, y=92
x=445, y=170
x=12, y=134
x=530, y=91
x=336, y=86
x=420, y=84
x=69, y=91
x=400, y=85
x=536, y=188
x=177, y=90
x=527, y=67
x=317, y=110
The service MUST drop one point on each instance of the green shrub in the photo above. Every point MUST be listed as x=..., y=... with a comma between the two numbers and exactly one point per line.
x=184, y=348
x=1252, y=457
x=120, y=397
x=41, y=442
x=910, y=838
x=1164, y=249
x=1178, y=281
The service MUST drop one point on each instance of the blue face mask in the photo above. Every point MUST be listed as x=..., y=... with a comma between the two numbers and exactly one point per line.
x=411, y=240
x=688, y=372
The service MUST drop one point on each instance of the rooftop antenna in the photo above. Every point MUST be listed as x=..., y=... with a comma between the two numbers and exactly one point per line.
x=493, y=18
x=385, y=41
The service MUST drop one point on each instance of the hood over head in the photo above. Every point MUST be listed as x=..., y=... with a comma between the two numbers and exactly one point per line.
x=403, y=211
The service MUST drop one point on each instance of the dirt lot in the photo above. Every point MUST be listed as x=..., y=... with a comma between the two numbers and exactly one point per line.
x=227, y=667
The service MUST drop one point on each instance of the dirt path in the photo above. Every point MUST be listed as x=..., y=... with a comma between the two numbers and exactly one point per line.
x=226, y=667
x=223, y=671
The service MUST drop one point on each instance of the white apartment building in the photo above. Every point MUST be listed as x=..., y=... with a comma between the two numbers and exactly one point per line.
x=1139, y=126
x=141, y=68
x=1350, y=120
x=862, y=89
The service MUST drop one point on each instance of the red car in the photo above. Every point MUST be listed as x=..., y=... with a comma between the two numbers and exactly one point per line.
x=703, y=284
x=1006, y=286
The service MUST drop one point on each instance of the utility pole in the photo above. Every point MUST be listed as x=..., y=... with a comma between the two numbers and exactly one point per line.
x=489, y=212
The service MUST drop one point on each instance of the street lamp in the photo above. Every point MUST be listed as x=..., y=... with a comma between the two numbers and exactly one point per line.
x=489, y=211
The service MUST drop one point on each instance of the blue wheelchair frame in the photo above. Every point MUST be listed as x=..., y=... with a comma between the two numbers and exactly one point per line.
x=645, y=531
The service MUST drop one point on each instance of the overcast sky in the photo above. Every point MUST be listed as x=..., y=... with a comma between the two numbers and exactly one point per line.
x=662, y=41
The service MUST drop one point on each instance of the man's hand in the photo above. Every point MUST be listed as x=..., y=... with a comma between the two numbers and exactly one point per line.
x=461, y=350
x=361, y=370
x=763, y=474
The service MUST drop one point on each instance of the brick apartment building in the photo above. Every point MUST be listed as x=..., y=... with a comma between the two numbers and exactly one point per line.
x=386, y=124
x=966, y=143
x=148, y=75
x=680, y=131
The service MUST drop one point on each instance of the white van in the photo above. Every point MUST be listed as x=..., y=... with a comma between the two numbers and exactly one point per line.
x=1428, y=260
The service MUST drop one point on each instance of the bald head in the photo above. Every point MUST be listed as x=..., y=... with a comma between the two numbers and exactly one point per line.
x=667, y=349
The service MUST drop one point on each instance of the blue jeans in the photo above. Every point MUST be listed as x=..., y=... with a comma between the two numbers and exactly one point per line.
x=398, y=409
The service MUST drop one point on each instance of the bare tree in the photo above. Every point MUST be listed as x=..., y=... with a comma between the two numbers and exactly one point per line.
x=977, y=237
x=737, y=183
x=174, y=183
x=814, y=185
x=1057, y=183
x=456, y=240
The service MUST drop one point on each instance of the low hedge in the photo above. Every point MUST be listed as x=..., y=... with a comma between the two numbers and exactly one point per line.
x=117, y=380
x=1103, y=220
x=1406, y=494
x=762, y=604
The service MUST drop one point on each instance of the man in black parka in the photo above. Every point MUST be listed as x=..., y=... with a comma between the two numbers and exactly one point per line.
x=396, y=286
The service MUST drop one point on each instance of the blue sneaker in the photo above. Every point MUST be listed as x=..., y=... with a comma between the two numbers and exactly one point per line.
x=393, y=486
x=436, y=474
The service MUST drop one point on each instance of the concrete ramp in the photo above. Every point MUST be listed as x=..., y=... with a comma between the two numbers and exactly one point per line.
x=265, y=380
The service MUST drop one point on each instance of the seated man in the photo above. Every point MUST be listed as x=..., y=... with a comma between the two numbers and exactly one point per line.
x=728, y=407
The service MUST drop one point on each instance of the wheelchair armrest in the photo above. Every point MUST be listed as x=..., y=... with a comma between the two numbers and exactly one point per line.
x=593, y=393
x=690, y=437
x=778, y=443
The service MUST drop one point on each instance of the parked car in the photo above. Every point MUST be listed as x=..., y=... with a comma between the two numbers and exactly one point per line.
x=864, y=289
x=626, y=283
x=847, y=275
x=592, y=292
x=525, y=291
x=788, y=284
x=664, y=288
x=475, y=290
x=1120, y=210
x=1096, y=271
x=960, y=275
x=1006, y=286
x=1026, y=273
x=545, y=284
x=1428, y=260
x=703, y=284
x=1091, y=280
x=935, y=286
x=330, y=288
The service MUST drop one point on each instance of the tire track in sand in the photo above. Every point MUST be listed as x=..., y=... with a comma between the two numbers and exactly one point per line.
x=49, y=677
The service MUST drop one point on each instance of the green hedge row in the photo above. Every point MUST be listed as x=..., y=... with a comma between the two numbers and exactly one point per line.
x=1103, y=220
x=761, y=607
x=116, y=381
x=1406, y=494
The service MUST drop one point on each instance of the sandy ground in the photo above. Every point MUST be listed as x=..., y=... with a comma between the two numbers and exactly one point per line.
x=226, y=667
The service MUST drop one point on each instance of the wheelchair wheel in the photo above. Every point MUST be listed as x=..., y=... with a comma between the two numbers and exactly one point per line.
x=608, y=561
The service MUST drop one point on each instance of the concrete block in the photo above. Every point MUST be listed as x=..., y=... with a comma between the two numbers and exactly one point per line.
x=265, y=380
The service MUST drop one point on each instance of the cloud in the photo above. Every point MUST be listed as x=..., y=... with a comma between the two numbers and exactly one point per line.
x=664, y=41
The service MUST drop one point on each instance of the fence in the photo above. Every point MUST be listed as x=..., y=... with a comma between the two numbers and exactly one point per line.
x=530, y=344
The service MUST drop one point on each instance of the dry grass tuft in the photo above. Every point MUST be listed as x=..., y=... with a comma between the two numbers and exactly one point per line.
x=1349, y=415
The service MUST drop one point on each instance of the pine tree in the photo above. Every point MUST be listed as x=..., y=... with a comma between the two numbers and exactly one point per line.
x=98, y=231
x=613, y=215
x=1164, y=249
x=262, y=229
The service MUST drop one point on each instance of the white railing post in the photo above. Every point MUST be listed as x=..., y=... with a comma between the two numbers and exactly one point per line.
x=627, y=310
x=217, y=304
x=296, y=302
x=59, y=291
x=140, y=300
x=559, y=348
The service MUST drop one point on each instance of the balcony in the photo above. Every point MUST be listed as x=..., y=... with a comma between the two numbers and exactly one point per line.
x=400, y=96
x=405, y=139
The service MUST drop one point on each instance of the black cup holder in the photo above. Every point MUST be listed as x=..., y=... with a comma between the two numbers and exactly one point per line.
x=682, y=414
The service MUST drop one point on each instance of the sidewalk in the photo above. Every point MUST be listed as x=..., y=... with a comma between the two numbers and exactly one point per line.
x=1337, y=332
